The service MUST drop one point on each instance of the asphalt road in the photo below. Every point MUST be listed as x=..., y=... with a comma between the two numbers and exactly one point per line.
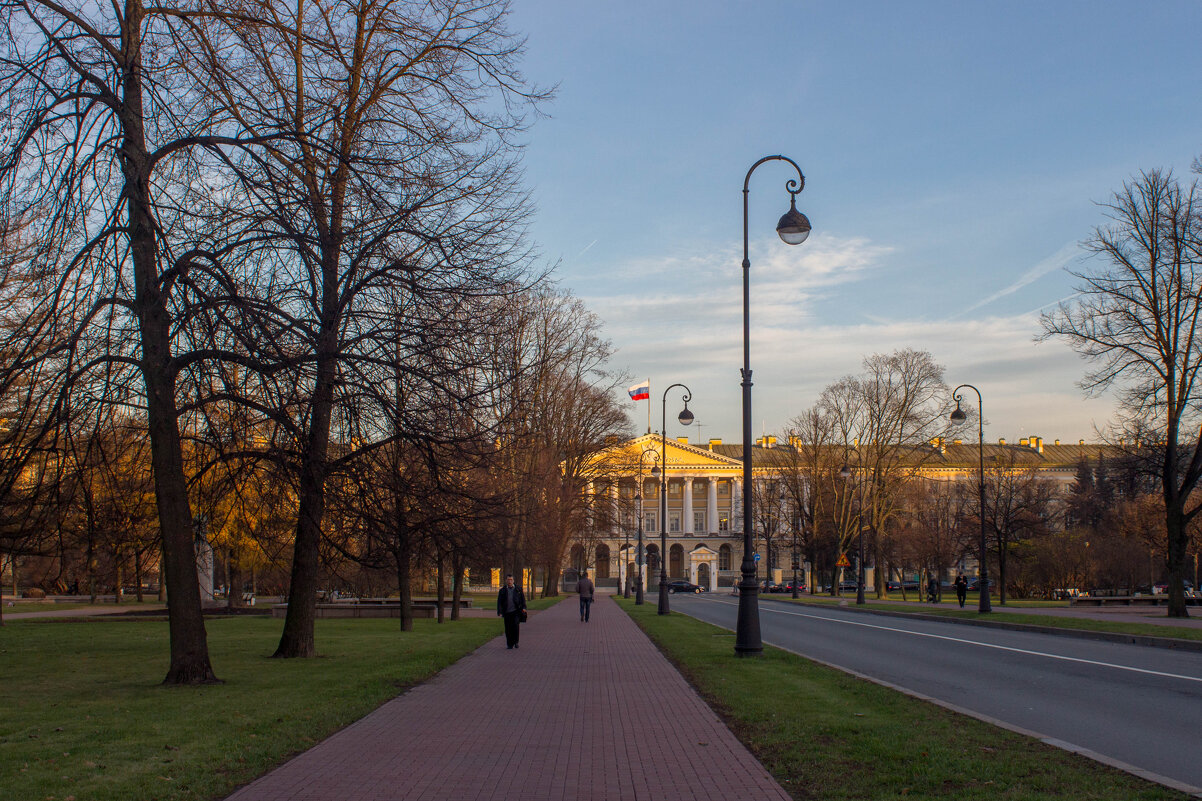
x=1136, y=707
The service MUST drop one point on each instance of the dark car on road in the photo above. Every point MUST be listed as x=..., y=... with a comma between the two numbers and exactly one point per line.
x=684, y=586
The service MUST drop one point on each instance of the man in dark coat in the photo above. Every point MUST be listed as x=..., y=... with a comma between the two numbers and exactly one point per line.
x=511, y=605
x=961, y=589
x=585, y=588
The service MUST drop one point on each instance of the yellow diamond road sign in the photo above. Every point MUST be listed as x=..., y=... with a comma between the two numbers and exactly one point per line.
x=843, y=561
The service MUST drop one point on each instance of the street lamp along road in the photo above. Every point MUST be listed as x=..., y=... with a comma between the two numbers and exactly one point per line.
x=793, y=229
x=958, y=417
x=684, y=418
x=846, y=473
x=639, y=557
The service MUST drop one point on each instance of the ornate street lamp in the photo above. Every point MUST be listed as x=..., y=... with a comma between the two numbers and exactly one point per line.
x=639, y=556
x=958, y=417
x=793, y=229
x=685, y=417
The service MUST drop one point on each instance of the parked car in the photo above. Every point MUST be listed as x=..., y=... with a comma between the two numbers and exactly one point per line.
x=801, y=586
x=770, y=587
x=898, y=586
x=680, y=585
x=974, y=585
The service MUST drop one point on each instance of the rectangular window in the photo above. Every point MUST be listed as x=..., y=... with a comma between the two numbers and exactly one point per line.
x=723, y=489
x=675, y=490
x=724, y=523
x=673, y=522
x=649, y=521
x=699, y=522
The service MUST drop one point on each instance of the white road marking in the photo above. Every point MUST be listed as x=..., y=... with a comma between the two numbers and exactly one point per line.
x=974, y=642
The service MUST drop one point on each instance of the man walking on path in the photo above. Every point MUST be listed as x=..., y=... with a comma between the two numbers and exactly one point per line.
x=961, y=589
x=511, y=606
x=585, y=587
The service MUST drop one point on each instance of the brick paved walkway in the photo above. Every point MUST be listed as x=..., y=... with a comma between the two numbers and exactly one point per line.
x=578, y=711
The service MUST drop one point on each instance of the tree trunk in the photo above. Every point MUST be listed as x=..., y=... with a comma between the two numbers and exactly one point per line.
x=457, y=585
x=298, y=638
x=162, y=573
x=1178, y=540
x=117, y=577
x=138, y=574
x=1001, y=572
x=551, y=585
x=405, y=584
x=189, y=646
x=442, y=588
x=233, y=578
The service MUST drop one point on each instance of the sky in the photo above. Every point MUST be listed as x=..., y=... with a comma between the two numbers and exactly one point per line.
x=956, y=154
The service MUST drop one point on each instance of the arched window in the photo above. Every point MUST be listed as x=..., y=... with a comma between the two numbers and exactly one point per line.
x=676, y=561
x=724, y=557
x=602, y=561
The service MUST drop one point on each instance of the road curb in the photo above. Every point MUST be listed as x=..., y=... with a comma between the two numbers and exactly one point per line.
x=1105, y=636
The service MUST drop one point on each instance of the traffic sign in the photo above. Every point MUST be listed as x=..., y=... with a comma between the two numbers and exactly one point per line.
x=843, y=561
x=756, y=557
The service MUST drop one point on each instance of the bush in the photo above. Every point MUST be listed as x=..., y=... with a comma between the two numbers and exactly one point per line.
x=34, y=592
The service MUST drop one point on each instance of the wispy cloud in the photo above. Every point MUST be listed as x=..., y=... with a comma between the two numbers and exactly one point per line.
x=1057, y=261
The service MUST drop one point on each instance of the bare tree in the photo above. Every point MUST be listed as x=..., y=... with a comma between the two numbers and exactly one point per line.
x=101, y=125
x=392, y=200
x=1138, y=317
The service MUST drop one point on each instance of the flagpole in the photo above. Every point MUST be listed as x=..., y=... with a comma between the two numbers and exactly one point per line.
x=648, y=405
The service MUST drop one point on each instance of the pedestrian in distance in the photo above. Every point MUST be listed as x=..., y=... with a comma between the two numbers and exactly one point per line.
x=961, y=589
x=585, y=587
x=933, y=590
x=511, y=606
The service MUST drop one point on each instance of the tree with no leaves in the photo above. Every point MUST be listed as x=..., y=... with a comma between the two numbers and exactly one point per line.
x=98, y=124
x=1138, y=317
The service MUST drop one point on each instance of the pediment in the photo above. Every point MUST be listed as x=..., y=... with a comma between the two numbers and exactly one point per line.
x=704, y=550
x=680, y=456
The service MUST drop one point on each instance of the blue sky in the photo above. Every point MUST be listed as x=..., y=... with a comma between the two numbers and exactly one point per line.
x=955, y=154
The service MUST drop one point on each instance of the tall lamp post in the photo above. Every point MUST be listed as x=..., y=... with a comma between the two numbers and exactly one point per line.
x=638, y=557
x=793, y=228
x=959, y=417
x=796, y=545
x=685, y=417
x=846, y=473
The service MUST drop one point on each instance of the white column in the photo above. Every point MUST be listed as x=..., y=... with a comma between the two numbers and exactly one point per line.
x=615, y=526
x=686, y=511
x=711, y=506
x=736, y=505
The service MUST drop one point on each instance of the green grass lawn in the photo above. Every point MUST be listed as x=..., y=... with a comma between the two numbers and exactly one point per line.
x=85, y=716
x=1003, y=614
x=826, y=735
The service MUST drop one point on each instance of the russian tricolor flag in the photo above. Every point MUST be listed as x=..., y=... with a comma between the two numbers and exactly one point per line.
x=641, y=391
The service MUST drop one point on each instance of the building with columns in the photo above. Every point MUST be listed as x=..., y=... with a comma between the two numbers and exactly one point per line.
x=703, y=521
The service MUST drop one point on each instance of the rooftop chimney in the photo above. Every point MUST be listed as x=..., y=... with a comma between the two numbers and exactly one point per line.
x=683, y=440
x=1001, y=441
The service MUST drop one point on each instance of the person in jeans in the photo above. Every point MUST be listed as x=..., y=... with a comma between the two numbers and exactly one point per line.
x=511, y=603
x=585, y=587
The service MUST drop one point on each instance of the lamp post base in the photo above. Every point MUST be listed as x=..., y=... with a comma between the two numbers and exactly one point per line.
x=747, y=630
